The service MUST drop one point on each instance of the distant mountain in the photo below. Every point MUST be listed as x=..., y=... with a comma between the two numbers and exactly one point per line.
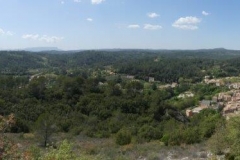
x=40, y=49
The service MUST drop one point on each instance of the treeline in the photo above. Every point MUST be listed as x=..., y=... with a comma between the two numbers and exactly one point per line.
x=165, y=66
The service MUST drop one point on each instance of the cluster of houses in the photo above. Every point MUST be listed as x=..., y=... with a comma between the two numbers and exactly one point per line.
x=222, y=82
x=204, y=104
x=217, y=82
x=231, y=101
x=228, y=101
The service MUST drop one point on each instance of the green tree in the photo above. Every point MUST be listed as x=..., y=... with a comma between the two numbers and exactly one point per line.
x=44, y=128
x=37, y=87
x=133, y=88
x=154, y=86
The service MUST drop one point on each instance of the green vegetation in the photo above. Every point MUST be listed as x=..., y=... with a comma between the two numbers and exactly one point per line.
x=226, y=139
x=44, y=127
x=106, y=95
x=123, y=137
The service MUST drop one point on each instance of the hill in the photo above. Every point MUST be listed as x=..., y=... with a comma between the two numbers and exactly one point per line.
x=124, y=61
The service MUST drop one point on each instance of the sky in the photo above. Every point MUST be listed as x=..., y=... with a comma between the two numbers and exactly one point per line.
x=122, y=24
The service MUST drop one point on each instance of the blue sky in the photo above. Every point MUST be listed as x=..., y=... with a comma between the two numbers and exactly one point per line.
x=101, y=24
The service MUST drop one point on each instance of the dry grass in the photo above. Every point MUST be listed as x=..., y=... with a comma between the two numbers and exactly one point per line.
x=106, y=149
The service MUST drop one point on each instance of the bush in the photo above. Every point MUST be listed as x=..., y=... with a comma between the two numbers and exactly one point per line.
x=114, y=126
x=65, y=125
x=191, y=135
x=149, y=133
x=8, y=149
x=103, y=134
x=165, y=139
x=32, y=153
x=76, y=131
x=64, y=151
x=123, y=137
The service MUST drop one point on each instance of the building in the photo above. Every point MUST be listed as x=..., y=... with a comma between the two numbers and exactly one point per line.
x=189, y=113
x=151, y=79
x=174, y=85
x=205, y=103
x=130, y=77
x=185, y=95
x=231, y=107
x=234, y=86
x=225, y=97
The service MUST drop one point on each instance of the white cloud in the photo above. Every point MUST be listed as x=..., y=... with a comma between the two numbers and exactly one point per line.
x=8, y=33
x=62, y=2
x=152, y=27
x=186, y=27
x=50, y=39
x=89, y=19
x=1, y=31
x=45, y=38
x=97, y=1
x=187, y=23
x=205, y=13
x=30, y=36
x=187, y=20
x=152, y=15
x=77, y=1
x=133, y=26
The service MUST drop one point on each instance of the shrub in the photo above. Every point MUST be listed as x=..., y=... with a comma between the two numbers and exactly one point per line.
x=8, y=149
x=123, y=137
x=64, y=151
x=114, y=126
x=33, y=153
x=102, y=134
x=76, y=131
x=149, y=133
x=191, y=135
x=165, y=139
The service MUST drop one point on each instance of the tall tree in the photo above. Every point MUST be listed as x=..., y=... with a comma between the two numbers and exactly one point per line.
x=44, y=128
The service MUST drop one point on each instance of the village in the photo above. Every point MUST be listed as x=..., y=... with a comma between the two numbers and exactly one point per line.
x=226, y=102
